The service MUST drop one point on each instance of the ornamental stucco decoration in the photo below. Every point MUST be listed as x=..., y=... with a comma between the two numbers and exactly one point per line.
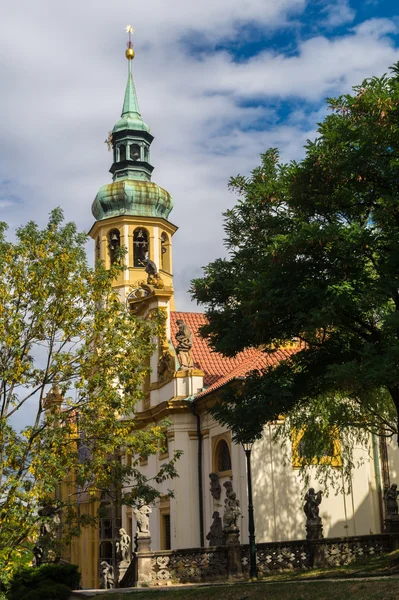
x=189, y=567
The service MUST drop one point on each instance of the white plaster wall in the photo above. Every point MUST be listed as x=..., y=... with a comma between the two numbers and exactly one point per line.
x=278, y=497
x=187, y=386
x=184, y=507
x=278, y=494
x=393, y=460
x=277, y=490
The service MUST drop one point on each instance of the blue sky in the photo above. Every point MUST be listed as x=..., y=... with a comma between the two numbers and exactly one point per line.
x=219, y=82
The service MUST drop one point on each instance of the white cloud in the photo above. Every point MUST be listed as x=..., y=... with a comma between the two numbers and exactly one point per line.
x=63, y=80
x=338, y=12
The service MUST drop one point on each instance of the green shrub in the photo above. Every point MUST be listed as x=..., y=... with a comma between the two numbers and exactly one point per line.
x=48, y=590
x=30, y=582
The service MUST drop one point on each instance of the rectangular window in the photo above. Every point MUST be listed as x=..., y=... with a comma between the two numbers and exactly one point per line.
x=164, y=448
x=165, y=530
x=329, y=454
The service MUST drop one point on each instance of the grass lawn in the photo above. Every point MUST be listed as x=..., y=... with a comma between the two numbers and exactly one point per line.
x=277, y=586
x=386, y=589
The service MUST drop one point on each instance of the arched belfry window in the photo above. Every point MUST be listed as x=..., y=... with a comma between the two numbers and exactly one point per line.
x=98, y=249
x=222, y=457
x=114, y=238
x=140, y=246
x=134, y=152
x=165, y=253
x=122, y=152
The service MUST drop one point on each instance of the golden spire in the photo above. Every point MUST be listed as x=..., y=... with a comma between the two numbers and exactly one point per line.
x=129, y=51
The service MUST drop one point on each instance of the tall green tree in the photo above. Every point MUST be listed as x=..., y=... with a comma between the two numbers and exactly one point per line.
x=72, y=365
x=313, y=260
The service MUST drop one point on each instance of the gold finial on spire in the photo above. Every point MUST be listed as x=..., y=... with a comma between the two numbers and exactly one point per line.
x=129, y=51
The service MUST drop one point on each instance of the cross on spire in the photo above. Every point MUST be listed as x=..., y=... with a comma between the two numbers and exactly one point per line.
x=129, y=31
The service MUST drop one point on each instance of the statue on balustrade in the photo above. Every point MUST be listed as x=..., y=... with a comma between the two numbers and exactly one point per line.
x=107, y=576
x=215, y=535
x=142, y=515
x=314, y=526
x=123, y=546
x=184, y=338
x=391, y=499
x=216, y=488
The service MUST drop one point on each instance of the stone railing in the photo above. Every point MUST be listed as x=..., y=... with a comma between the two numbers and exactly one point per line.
x=305, y=554
x=343, y=551
x=189, y=566
x=195, y=565
x=277, y=556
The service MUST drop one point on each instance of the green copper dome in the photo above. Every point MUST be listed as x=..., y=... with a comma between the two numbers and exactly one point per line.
x=132, y=197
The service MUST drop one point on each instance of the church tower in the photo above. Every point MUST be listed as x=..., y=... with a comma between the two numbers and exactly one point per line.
x=133, y=211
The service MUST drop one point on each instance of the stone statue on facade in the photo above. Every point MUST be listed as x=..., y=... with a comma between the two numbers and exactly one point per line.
x=37, y=555
x=231, y=531
x=184, y=338
x=166, y=367
x=142, y=515
x=216, y=488
x=107, y=576
x=314, y=527
x=232, y=511
x=153, y=277
x=228, y=486
x=123, y=546
x=45, y=549
x=391, y=509
x=312, y=502
x=391, y=499
x=215, y=535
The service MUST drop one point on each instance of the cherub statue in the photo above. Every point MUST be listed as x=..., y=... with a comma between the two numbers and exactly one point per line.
x=216, y=488
x=232, y=511
x=107, y=576
x=312, y=502
x=391, y=499
x=123, y=546
x=215, y=535
x=142, y=515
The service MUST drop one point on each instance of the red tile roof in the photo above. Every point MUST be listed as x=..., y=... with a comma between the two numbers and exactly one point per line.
x=219, y=370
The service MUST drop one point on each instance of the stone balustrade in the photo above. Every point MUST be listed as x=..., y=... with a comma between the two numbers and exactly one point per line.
x=195, y=565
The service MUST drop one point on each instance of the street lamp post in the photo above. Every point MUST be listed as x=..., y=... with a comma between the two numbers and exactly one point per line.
x=253, y=571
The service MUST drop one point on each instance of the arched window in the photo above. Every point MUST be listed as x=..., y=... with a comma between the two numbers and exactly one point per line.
x=122, y=152
x=140, y=246
x=98, y=249
x=114, y=238
x=222, y=457
x=134, y=152
x=165, y=253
